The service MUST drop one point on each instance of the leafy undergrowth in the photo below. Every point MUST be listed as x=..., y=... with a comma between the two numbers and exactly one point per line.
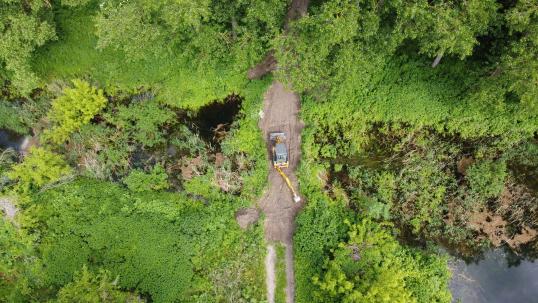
x=163, y=245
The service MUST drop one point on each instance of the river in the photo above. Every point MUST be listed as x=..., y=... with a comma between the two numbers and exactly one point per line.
x=494, y=280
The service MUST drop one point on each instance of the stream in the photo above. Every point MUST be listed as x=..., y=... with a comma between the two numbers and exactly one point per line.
x=9, y=139
x=494, y=280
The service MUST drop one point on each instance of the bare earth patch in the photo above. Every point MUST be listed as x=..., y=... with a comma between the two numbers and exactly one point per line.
x=247, y=216
x=280, y=114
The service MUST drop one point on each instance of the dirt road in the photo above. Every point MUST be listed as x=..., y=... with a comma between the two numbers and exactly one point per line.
x=280, y=114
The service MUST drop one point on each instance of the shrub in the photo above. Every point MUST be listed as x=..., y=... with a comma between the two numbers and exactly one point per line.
x=143, y=121
x=88, y=287
x=139, y=181
x=487, y=178
x=75, y=108
x=371, y=266
x=39, y=167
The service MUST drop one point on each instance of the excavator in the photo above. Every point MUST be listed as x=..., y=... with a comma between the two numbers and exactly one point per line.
x=280, y=159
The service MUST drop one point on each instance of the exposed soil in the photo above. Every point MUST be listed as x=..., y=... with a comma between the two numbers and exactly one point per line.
x=247, y=216
x=281, y=108
x=280, y=114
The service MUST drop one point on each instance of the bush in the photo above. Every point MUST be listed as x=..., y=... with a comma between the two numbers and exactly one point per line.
x=161, y=244
x=75, y=108
x=142, y=121
x=487, y=178
x=139, y=181
x=39, y=167
x=88, y=287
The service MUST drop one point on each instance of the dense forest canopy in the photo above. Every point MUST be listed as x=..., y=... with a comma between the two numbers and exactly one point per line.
x=142, y=144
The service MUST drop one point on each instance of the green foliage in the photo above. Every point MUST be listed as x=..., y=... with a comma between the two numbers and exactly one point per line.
x=101, y=152
x=139, y=181
x=88, y=287
x=23, y=28
x=39, y=167
x=204, y=47
x=7, y=158
x=10, y=119
x=319, y=229
x=19, y=267
x=520, y=62
x=372, y=267
x=246, y=141
x=158, y=243
x=362, y=69
x=487, y=178
x=280, y=274
x=75, y=108
x=445, y=27
x=142, y=121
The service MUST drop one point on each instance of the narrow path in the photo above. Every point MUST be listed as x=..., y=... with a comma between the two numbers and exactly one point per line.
x=270, y=261
x=281, y=108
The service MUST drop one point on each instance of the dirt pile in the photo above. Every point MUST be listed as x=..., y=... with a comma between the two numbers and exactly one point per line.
x=247, y=216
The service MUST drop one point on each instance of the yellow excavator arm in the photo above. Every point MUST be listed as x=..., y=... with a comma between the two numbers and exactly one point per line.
x=296, y=197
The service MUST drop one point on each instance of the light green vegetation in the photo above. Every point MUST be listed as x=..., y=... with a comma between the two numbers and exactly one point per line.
x=40, y=167
x=342, y=256
x=74, y=109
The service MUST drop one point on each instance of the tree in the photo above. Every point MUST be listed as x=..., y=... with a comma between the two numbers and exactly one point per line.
x=143, y=29
x=75, y=108
x=23, y=28
x=372, y=267
x=88, y=287
x=520, y=62
x=445, y=27
x=39, y=167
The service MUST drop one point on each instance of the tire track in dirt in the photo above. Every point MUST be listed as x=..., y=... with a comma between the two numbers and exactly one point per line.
x=270, y=263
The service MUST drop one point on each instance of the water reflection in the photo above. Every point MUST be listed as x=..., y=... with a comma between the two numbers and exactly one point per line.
x=495, y=280
x=9, y=139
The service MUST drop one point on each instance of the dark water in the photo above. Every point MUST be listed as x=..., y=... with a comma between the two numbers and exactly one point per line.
x=494, y=280
x=216, y=116
x=9, y=139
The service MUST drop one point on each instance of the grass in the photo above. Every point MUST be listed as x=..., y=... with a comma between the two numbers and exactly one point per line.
x=280, y=291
